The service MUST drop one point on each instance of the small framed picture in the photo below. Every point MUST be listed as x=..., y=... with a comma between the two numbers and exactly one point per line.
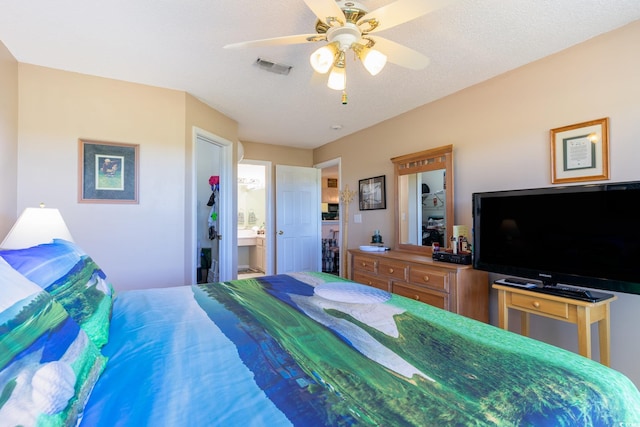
x=372, y=193
x=580, y=152
x=108, y=172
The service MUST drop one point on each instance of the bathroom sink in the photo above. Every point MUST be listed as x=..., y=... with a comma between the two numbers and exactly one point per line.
x=247, y=237
x=243, y=232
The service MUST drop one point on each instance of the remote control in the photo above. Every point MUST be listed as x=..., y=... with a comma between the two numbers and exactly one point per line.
x=516, y=282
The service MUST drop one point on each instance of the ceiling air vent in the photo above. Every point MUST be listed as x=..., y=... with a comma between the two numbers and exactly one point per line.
x=273, y=67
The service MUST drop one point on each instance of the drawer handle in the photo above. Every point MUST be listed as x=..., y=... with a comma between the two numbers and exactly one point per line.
x=425, y=278
x=417, y=297
x=536, y=304
x=364, y=264
x=390, y=270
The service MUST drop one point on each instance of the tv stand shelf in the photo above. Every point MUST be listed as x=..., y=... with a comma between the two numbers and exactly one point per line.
x=582, y=313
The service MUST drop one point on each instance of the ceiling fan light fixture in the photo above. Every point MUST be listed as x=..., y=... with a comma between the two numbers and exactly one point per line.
x=322, y=59
x=347, y=25
x=337, y=78
x=373, y=60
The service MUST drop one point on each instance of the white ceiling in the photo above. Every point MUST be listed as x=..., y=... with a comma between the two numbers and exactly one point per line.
x=178, y=44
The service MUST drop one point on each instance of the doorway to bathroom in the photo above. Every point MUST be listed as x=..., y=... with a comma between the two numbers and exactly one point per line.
x=254, y=219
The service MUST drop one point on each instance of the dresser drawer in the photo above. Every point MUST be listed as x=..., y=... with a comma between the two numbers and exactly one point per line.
x=370, y=280
x=534, y=304
x=436, y=299
x=395, y=270
x=364, y=263
x=434, y=279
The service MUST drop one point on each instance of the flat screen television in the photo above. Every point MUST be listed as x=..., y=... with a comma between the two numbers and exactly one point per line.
x=582, y=235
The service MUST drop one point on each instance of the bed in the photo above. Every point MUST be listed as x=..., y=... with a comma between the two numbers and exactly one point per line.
x=306, y=349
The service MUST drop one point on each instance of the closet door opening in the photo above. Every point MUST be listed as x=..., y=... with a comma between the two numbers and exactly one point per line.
x=213, y=257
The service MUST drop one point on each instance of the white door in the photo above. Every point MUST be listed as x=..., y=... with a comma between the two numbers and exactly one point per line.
x=298, y=235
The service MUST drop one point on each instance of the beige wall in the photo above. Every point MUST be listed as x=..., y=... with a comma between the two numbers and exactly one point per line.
x=500, y=132
x=139, y=245
x=278, y=154
x=8, y=139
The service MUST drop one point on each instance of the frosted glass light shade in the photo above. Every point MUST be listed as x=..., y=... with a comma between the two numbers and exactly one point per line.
x=337, y=79
x=36, y=226
x=322, y=59
x=374, y=61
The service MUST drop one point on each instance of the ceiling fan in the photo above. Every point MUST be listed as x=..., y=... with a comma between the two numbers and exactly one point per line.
x=348, y=25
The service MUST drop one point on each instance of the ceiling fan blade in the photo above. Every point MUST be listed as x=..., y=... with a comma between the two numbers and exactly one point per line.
x=276, y=41
x=402, y=11
x=325, y=8
x=401, y=55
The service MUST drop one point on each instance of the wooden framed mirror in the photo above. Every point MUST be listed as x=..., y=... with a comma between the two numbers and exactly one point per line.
x=424, y=199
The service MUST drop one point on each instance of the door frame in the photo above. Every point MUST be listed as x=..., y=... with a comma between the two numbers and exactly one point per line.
x=228, y=262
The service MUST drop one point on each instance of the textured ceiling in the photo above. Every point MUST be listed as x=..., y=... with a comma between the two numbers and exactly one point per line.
x=178, y=44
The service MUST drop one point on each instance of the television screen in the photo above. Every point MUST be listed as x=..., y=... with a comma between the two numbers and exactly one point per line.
x=585, y=235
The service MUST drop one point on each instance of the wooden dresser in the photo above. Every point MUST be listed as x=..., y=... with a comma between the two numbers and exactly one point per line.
x=456, y=288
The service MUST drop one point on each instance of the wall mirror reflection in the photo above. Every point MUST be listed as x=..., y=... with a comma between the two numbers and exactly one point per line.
x=424, y=199
x=425, y=224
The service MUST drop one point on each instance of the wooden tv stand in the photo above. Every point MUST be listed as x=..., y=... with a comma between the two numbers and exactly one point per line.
x=582, y=313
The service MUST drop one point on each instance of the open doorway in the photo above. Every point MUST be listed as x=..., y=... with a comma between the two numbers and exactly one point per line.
x=212, y=157
x=254, y=219
x=207, y=208
x=331, y=210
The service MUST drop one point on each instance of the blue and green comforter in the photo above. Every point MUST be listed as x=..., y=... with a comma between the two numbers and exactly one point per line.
x=310, y=349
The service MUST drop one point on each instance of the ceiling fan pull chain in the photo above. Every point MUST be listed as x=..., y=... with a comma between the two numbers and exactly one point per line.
x=344, y=97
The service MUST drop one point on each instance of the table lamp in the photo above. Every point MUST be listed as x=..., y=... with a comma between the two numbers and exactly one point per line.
x=36, y=226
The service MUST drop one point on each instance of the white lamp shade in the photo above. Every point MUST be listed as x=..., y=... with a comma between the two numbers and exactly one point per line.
x=337, y=79
x=36, y=226
x=322, y=59
x=374, y=61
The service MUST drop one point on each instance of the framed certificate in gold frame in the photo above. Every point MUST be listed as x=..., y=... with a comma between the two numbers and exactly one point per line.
x=580, y=152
